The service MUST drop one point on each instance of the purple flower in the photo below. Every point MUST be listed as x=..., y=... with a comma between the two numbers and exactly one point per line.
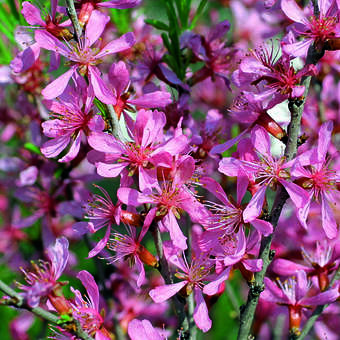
x=43, y=279
x=84, y=56
x=143, y=329
x=314, y=29
x=294, y=294
x=73, y=120
x=147, y=149
x=313, y=170
x=266, y=171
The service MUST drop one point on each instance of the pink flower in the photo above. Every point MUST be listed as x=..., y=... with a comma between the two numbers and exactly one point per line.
x=73, y=120
x=101, y=213
x=170, y=198
x=193, y=278
x=312, y=169
x=294, y=294
x=314, y=29
x=147, y=150
x=43, y=280
x=266, y=171
x=84, y=56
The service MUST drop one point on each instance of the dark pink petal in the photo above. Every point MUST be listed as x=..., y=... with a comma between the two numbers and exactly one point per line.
x=32, y=14
x=176, y=234
x=227, y=145
x=110, y=170
x=96, y=123
x=255, y=205
x=287, y=268
x=260, y=139
x=264, y=227
x=26, y=58
x=57, y=87
x=185, y=170
x=293, y=11
x=101, y=244
x=201, y=315
x=273, y=293
x=102, y=92
x=132, y=197
x=119, y=77
x=163, y=293
x=253, y=265
x=91, y=287
x=302, y=213
x=104, y=142
x=53, y=147
x=123, y=43
x=230, y=166
x=174, y=146
x=58, y=255
x=74, y=149
x=51, y=43
x=95, y=27
x=215, y=188
x=298, y=195
x=82, y=228
x=147, y=179
x=213, y=287
x=329, y=224
x=147, y=222
x=298, y=49
x=141, y=271
x=152, y=100
x=325, y=135
x=153, y=128
x=297, y=91
x=321, y=299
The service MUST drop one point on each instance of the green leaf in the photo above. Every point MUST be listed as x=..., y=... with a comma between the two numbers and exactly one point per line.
x=198, y=13
x=33, y=148
x=157, y=24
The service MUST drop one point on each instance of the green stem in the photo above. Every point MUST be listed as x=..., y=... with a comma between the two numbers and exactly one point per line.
x=74, y=18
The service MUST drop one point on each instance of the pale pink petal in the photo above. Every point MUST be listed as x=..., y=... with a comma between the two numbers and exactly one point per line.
x=143, y=330
x=321, y=299
x=51, y=43
x=325, y=135
x=227, y=145
x=273, y=293
x=163, y=293
x=141, y=271
x=201, y=315
x=253, y=265
x=287, y=268
x=298, y=49
x=215, y=188
x=175, y=231
x=152, y=100
x=119, y=4
x=119, y=77
x=58, y=255
x=25, y=59
x=147, y=178
x=132, y=197
x=230, y=166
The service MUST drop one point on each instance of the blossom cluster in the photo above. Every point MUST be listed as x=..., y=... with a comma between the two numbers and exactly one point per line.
x=153, y=160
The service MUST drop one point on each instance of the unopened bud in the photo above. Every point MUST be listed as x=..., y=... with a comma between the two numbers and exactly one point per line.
x=271, y=126
x=146, y=257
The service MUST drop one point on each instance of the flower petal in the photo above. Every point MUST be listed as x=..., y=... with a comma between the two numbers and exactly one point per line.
x=163, y=293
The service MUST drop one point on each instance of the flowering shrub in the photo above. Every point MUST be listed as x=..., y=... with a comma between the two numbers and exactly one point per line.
x=169, y=169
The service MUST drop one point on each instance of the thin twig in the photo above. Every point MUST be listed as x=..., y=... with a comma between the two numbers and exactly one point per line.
x=71, y=10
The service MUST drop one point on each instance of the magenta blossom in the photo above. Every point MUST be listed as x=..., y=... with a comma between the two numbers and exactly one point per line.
x=266, y=171
x=314, y=29
x=43, y=280
x=313, y=170
x=73, y=120
x=102, y=213
x=294, y=294
x=170, y=198
x=193, y=279
x=147, y=150
x=84, y=57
